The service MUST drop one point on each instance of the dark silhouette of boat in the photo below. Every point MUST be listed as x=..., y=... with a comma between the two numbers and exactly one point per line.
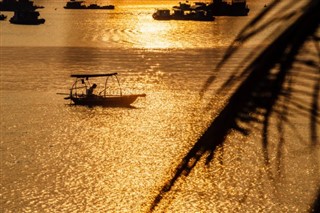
x=223, y=8
x=162, y=14
x=110, y=101
x=195, y=6
x=218, y=7
x=179, y=14
x=74, y=4
x=185, y=11
x=13, y=5
x=83, y=92
x=26, y=17
x=2, y=17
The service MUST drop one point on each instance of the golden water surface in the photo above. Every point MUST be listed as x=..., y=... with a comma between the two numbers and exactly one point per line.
x=57, y=157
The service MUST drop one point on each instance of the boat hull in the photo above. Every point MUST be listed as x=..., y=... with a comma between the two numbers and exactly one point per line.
x=112, y=101
x=91, y=8
x=26, y=17
x=226, y=9
x=79, y=5
x=27, y=22
x=183, y=18
x=230, y=12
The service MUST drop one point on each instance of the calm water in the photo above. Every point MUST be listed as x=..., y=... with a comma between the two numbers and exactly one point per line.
x=61, y=158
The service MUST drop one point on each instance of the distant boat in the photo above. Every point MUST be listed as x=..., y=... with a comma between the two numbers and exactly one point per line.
x=195, y=6
x=183, y=14
x=2, y=17
x=82, y=92
x=223, y=8
x=26, y=17
x=13, y=5
x=218, y=7
x=74, y=4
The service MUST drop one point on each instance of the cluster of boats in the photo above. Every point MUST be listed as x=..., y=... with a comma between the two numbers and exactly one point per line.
x=25, y=10
x=82, y=91
x=201, y=11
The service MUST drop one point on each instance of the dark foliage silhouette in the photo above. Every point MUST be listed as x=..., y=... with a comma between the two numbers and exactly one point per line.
x=264, y=84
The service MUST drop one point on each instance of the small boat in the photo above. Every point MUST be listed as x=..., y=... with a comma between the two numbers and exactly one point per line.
x=74, y=4
x=13, y=5
x=104, y=7
x=83, y=92
x=195, y=6
x=162, y=14
x=183, y=14
x=26, y=17
x=2, y=17
x=218, y=7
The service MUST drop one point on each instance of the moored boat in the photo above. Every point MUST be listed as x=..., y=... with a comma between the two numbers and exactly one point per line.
x=218, y=7
x=13, y=5
x=162, y=14
x=180, y=14
x=26, y=17
x=223, y=8
x=75, y=4
x=104, y=7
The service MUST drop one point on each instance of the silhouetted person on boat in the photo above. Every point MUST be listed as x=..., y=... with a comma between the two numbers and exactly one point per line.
x=90, y=90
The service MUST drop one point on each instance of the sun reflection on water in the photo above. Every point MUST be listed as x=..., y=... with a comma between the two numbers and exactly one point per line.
x=155, y=34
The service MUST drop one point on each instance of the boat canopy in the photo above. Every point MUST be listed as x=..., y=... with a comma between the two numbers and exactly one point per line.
x=92, y=75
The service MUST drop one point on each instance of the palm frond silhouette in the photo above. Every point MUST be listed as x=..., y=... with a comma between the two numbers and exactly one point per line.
x=265, y=83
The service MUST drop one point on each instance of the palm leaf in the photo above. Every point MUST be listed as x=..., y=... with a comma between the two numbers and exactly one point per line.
x=264, y=83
